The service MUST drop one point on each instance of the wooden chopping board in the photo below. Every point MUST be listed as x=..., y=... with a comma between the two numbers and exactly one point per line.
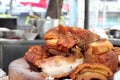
x=20, y=70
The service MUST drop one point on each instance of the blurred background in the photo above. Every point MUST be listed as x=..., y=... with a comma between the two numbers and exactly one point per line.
x=90, y=14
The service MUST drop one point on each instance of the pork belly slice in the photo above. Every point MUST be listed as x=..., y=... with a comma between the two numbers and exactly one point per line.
x=91, y=72
x=59, y=66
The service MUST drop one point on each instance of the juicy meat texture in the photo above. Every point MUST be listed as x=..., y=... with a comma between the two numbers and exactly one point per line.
x=91, y=72
x=63, y=38
x=56, y=66
x=102, y=52
x=59, y=66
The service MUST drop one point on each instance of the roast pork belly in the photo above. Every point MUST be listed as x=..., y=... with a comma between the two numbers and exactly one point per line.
x=70, y=51
x=65, y=37
x=56, y=66
x=35, y=54
x=59, y=66
x=91, y=72
x=101, y=51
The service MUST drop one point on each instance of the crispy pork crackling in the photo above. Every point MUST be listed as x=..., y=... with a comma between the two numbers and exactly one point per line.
x=101, y=51
x=69, y=47
x=63, y=38
x=55, y=66
x=91, y=72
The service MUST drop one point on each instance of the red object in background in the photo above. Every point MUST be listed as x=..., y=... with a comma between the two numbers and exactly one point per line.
x=66, y=6
x=41, y=3
x=15, y=37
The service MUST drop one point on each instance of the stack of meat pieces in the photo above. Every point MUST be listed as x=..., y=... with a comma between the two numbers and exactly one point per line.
x=74, y=53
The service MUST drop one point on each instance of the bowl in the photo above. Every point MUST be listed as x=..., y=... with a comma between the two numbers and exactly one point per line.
x=115, y=33
x=30, y=36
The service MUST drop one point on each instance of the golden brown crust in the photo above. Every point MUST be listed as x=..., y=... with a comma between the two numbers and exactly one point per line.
x=56, y=66
x=87, y=72
x=52, y=33
x=101, y=46
x=63, y=38
x=107, y=57
x=90, y=76
x=35, y=54
x=66, y=46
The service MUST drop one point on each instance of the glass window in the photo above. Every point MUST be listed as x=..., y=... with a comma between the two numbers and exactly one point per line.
x=104, y=13
x=108, y=0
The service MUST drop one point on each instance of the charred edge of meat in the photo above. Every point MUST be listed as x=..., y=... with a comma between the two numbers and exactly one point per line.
x=76, y=50
x=34, y=68
x=54, y=52
x=63, y=78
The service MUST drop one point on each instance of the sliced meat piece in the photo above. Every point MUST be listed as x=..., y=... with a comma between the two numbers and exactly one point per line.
x=102, y=52
x=59, y=66
x=63, y=38
x=91, y=72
